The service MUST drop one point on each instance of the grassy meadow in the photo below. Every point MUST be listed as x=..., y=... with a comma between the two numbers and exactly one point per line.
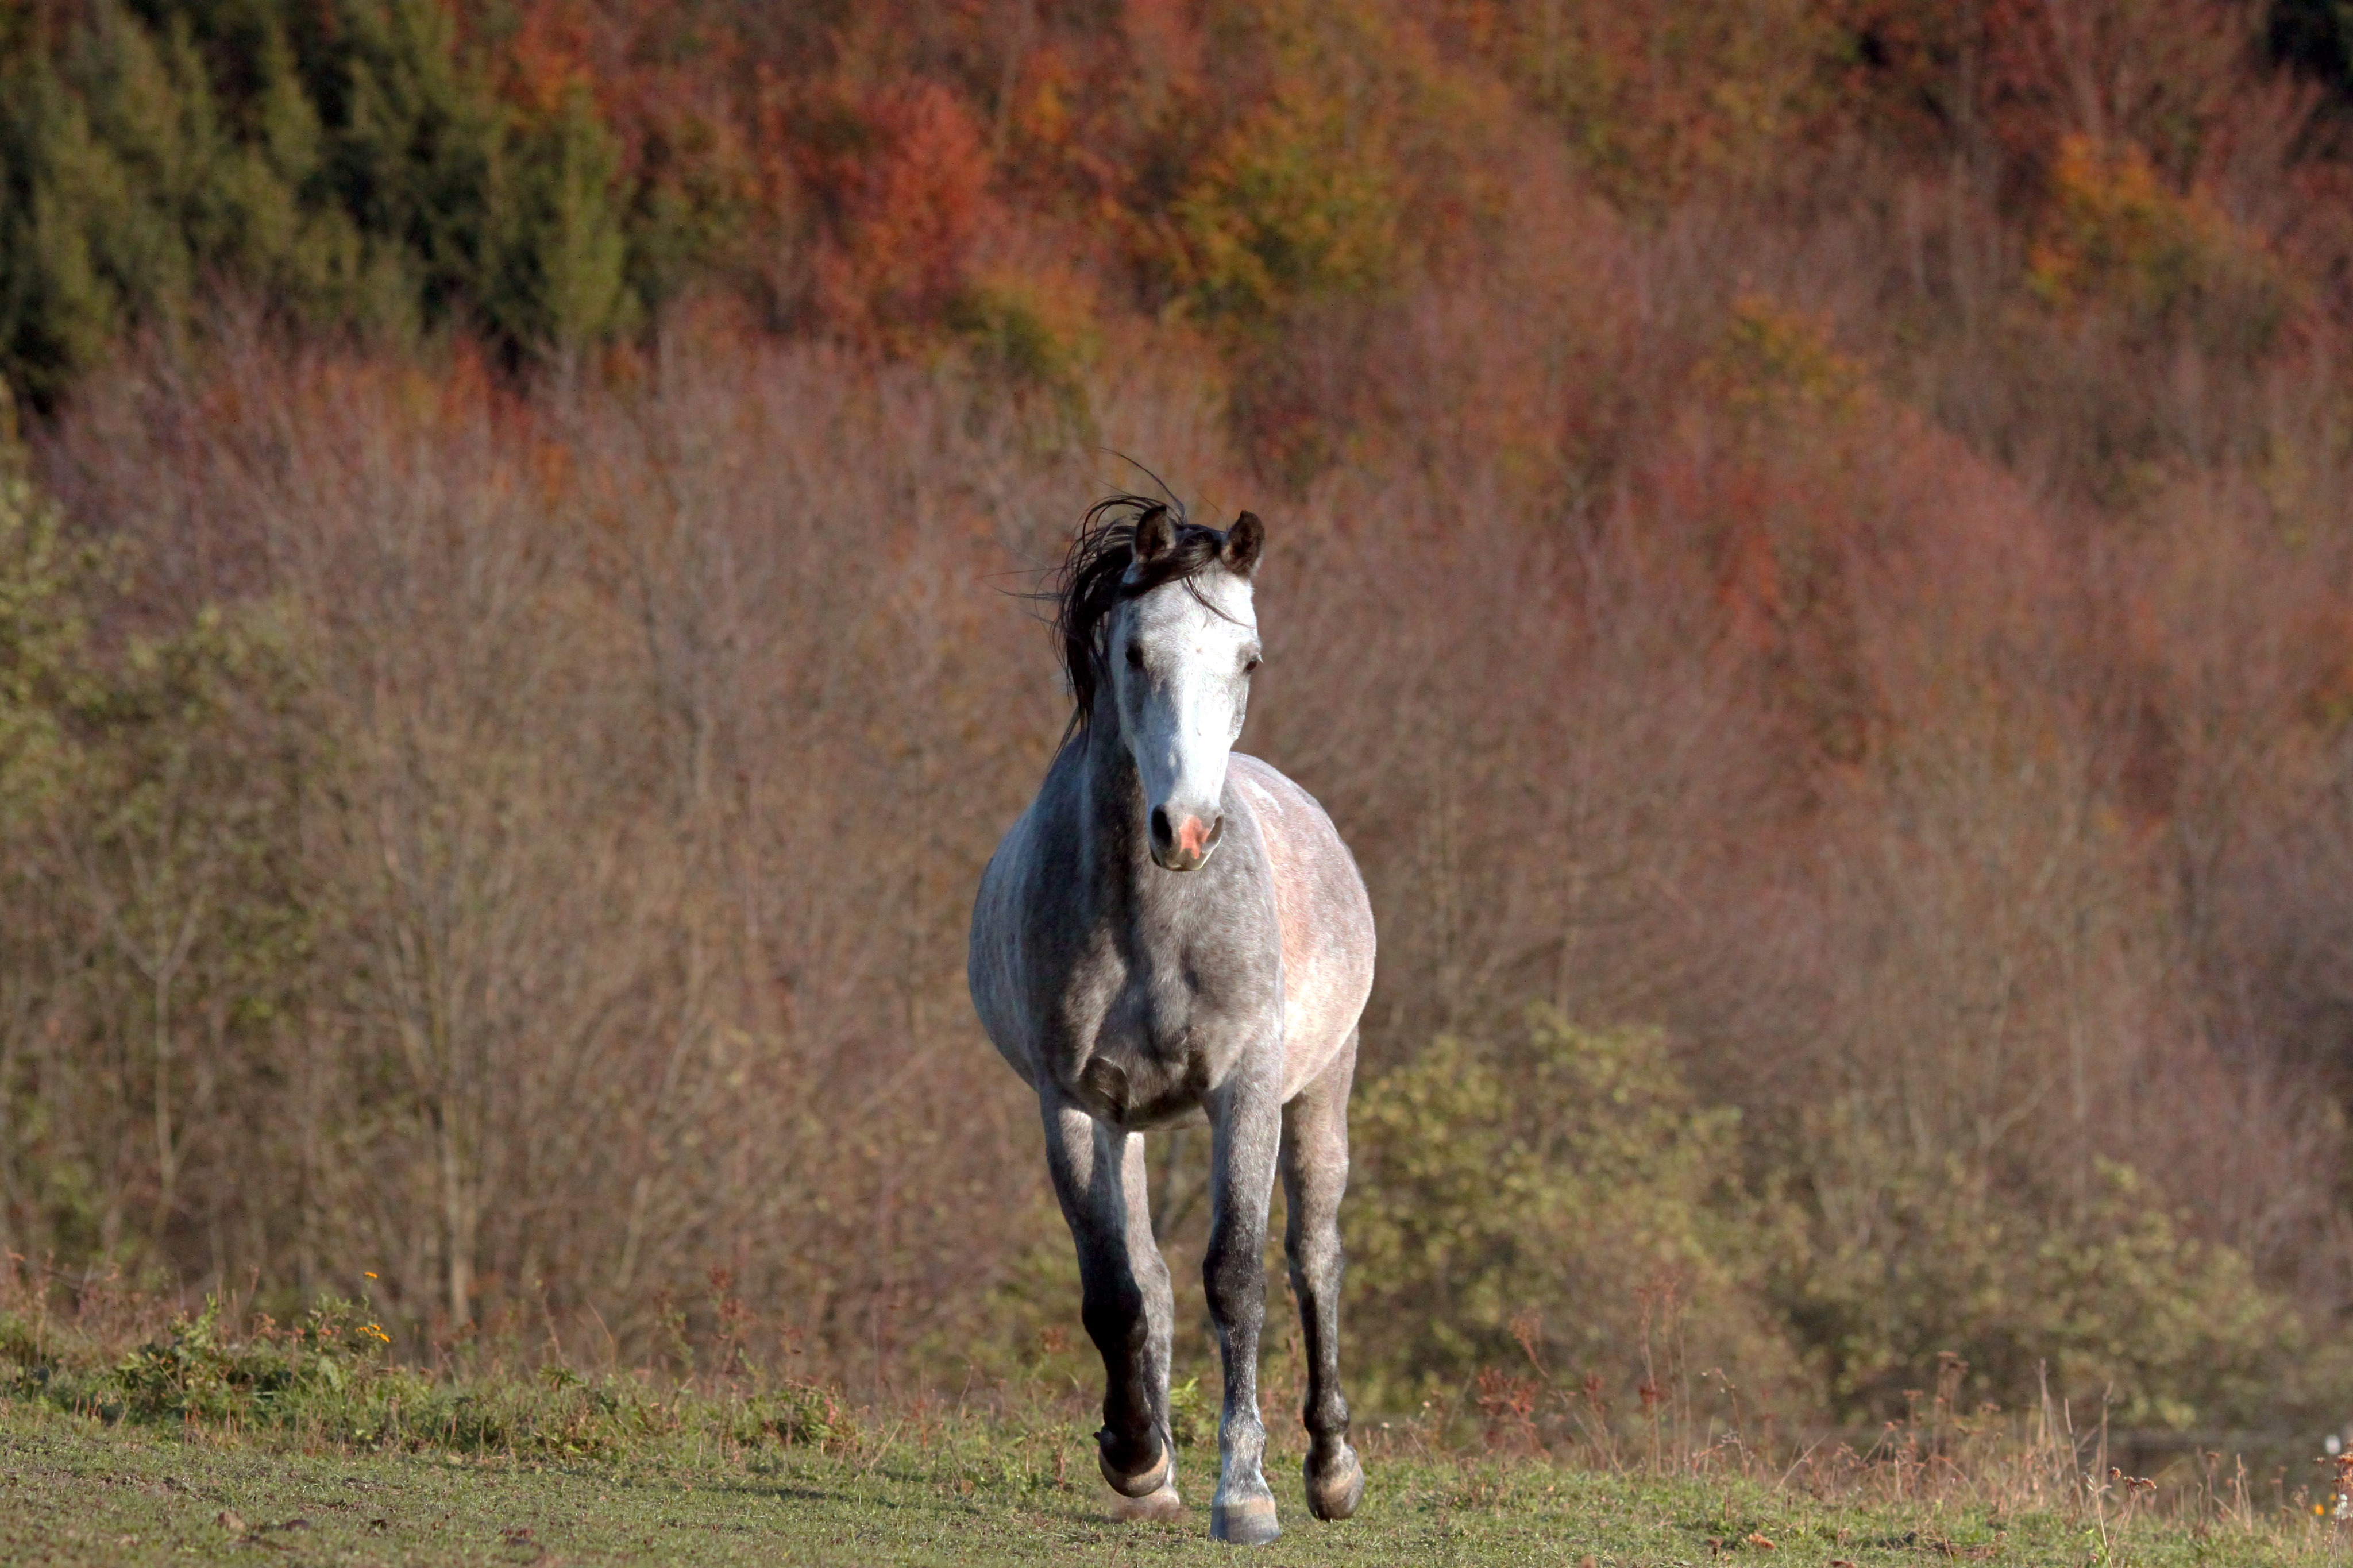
x=941, y=1486
x=944, y=1485
x=225, y=1437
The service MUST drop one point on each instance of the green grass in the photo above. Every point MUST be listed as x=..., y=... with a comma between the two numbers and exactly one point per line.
x=131, y=1433
x=976, y=1489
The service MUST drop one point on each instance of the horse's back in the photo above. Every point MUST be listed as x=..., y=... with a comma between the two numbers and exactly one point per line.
x=1326, y=919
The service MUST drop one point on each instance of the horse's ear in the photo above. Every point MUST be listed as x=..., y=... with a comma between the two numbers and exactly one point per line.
x=1155, y=535
x=1243, y=543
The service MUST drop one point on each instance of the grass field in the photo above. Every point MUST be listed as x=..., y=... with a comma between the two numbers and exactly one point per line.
x=985, y=1490
x=132, y=1432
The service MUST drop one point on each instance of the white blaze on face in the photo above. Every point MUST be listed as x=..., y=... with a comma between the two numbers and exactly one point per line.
x=1182, y=664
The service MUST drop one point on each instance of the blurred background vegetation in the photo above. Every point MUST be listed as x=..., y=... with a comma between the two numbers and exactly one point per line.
x=1812, y=561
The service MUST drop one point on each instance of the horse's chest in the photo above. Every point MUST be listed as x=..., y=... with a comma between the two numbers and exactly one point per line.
x=1146, y=1042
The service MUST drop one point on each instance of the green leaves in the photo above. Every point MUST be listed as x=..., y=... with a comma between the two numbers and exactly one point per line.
x=150, y=849
x=1298, y=201
x=561, y=279
x=2100, y=1297
x=198, y=1369
x=42, y=633
x=1560, y=1176
x=364, y=174
x=1562, y=1199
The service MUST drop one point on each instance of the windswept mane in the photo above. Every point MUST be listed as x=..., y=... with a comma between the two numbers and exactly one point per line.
x=1095, y=577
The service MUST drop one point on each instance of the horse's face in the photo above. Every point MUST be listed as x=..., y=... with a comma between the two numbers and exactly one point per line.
x=1181, y=660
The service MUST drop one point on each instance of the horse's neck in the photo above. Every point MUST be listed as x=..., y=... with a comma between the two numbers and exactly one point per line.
x=1112, y=845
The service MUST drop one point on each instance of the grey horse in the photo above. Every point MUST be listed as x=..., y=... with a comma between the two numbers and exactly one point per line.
x=1173, y=930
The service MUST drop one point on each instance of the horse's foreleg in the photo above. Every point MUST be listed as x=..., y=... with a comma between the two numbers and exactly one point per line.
x=1092, y=1165
x=1151, y=1272
x=1315, y=1175
x=1247, y=1120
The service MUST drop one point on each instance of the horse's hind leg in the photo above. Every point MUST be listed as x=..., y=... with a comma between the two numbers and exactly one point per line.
x=1099, y=1177
x=1315, y=1173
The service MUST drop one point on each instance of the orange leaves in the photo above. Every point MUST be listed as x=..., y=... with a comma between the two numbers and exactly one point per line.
x=1766, y=472
x=547, y=59
x=1042, y=108
x=908, y=193
x=2116, y=235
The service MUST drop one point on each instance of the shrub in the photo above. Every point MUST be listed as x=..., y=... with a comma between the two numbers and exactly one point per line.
x=796, y=1414
x=198, y=1372
x=1563, y=1177
x=42, y=632
x=1563, y=1197
x=2102, y=1300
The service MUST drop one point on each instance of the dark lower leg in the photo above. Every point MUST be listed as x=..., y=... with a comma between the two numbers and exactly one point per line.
x=1312, y=1247
x=1131, y=1438
x=1087, y=1163
x=1150, y=1272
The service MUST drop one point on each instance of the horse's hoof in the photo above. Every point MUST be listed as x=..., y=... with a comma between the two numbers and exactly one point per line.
x=1159, y=1506
x=1336, y=1493
x=1249, y=1523
x=1141, y=1483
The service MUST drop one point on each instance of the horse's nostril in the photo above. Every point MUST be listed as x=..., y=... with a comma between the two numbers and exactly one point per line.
x=1162, y=834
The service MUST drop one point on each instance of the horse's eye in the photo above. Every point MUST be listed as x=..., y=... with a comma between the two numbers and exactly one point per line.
x=1251, y=667
x=1135, y=656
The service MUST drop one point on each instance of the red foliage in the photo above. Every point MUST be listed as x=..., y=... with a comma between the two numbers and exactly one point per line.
x=909, y=202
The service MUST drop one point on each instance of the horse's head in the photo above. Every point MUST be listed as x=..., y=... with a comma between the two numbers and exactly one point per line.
x=1160, y=618
x=1182, y=651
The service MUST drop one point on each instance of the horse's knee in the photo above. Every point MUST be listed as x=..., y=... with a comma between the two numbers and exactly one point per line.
x=1234, y=1279
x=1315, y=1264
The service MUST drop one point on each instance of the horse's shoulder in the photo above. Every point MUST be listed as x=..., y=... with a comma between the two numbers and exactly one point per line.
x=1283, y=807
x=1309, y=861
x=1268, y=788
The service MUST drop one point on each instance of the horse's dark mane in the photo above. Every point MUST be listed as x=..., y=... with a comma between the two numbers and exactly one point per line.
x=1094, y=578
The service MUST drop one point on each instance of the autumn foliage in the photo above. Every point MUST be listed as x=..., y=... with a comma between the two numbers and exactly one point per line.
x=1808, y=556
